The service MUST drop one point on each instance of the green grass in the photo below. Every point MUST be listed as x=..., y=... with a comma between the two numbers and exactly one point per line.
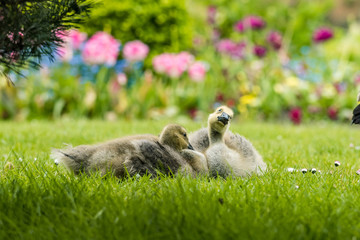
x=39, y=200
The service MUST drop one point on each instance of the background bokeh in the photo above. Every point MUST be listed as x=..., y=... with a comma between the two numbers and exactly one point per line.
x=268, y=60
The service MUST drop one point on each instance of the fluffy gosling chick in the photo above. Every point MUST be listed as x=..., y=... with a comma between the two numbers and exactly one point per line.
x=176, y=137
x=356, y=112
x=131, y=155
x=227, y=153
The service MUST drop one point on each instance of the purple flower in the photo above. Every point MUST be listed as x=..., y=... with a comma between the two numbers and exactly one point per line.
x=225, y=46
x=322, y=34
x=295, y=115
x=254, y=22
x=239, y=26
x=332, y=113
x=259, y=51
x=275, y=40
x=250, y=22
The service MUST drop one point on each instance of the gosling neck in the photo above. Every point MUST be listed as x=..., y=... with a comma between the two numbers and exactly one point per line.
x=215, y=136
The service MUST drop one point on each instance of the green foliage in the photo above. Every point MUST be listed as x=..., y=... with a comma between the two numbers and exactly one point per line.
x=39, y=200
x=163, y=25
x=39, y=96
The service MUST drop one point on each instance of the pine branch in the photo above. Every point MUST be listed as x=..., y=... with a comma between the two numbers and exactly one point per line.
x=32, y=29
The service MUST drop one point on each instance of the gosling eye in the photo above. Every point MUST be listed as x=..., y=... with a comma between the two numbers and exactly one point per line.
x=220, y=110
x=184, y=134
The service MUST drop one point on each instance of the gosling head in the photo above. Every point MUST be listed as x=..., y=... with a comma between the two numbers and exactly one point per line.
x=175, y=136
x=219, y=120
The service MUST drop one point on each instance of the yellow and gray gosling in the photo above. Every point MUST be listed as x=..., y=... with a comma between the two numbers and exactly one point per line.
x=140, y=154
x=227, y=153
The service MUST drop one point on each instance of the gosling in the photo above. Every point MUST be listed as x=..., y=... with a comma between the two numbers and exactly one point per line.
x=356, y=112
x=168, y=154
x=227, y=153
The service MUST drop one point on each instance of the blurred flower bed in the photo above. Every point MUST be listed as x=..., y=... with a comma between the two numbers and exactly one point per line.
x=260, y=71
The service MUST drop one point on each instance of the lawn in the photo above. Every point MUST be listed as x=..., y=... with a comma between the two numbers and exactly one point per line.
x=39, y=200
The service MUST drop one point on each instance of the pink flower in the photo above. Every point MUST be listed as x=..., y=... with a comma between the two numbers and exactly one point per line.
x=121, y=78
x=174, y=65
x=11, y=36
x=235, y=50
x=275, y=40
x=322, y=34
x=101, y=48
x=72, y=39
x=197, y=71
x=259, y=51
x=332, y=113
x=76, y=38
x=14, y=56
x=60, y=34
x=238, y=51
x=135, y=51
x=185, y=58
x=295, y=115
x=161, y=62
x=65, y=52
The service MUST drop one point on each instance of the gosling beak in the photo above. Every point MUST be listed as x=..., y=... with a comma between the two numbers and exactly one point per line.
x=224, y=118
x=190, y=147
